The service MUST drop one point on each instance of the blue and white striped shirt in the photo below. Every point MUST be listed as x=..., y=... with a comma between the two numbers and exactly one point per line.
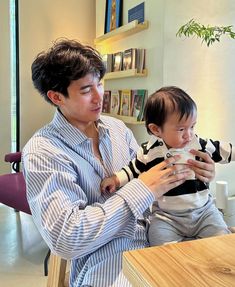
x=63, y=189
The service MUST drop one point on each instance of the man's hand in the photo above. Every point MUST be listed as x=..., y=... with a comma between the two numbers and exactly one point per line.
x=205, y=169
x=165, y=176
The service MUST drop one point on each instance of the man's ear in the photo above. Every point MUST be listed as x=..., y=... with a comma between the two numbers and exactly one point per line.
x=55, y=97
x=155, y=130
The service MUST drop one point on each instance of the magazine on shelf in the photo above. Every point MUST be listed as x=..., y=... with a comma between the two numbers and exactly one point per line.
x=141, y=55
x=108, y=62
x=136, y=13
x=145, y=100
x=117, y=61
x=106, y=101
x=129, y=59
x=105, y=60
x=138, y=102
x=115, y=102
x=125, y=106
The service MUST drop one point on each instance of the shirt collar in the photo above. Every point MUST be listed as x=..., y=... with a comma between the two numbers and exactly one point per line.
x=70, y=133
x=194, y=144
x=154, y=139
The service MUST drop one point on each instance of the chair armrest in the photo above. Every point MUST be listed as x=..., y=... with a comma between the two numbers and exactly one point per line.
x=13, y=157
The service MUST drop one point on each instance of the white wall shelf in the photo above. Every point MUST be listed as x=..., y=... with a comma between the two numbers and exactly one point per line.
x=122, y=32
x=125, y=74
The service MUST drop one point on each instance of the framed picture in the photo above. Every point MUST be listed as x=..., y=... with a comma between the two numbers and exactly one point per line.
x=113, y=15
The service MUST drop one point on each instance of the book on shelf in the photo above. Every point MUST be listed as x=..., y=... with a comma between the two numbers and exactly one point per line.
x=126, y=102
x=129, y=59
x=145, y=100
x=137, y=103
x=125, y=105
x=106, y=101
x=136, y=13
x=108, y=62
x=117, y=61
x=105, y=60
x=115, y=102
x=141, y=55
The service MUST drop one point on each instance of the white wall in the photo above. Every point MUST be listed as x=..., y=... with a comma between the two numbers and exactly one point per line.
x=207, y=74
x=41, y=22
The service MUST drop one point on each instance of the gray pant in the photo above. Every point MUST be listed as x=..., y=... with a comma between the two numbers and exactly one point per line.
x=178, y=226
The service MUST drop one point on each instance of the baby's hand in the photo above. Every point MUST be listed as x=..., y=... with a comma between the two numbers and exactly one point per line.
x=109, y=184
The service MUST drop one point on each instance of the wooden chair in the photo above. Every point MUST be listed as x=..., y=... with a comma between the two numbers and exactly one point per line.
x=57, y=275
x=13, y=191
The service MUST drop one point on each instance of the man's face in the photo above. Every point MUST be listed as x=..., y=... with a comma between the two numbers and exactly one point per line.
x=84, y=102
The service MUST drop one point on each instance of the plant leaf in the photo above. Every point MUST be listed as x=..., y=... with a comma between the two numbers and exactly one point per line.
x=208, y=34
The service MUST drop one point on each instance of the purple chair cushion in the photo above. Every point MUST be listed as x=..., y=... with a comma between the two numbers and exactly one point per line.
x=13, y=191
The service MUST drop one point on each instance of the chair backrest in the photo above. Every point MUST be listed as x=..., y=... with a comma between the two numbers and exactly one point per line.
x=13, y=191
x=13, y=194
x=13, y=187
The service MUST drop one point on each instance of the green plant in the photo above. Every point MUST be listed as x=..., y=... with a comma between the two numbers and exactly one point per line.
x=208, y=34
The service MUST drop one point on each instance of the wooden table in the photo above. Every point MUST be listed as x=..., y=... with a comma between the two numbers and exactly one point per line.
x=202, y=262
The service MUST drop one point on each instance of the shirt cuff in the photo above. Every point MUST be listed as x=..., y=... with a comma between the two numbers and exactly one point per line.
x=137, y=195
x=122, y=177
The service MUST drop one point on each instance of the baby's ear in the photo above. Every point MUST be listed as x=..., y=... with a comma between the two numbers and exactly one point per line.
x=155, y=130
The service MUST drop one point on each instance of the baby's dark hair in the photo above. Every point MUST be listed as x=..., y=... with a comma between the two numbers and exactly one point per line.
x=66, y=61
x=165, y=101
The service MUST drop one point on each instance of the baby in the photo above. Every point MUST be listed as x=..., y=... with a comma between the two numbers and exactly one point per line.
x=187, y=211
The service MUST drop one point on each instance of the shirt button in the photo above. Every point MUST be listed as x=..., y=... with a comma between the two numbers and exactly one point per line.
x=160, y=143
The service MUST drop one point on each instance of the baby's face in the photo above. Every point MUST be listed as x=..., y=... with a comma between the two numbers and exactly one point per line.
x=178, y=133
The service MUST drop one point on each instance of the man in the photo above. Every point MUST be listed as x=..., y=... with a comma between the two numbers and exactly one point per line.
x=65, y=161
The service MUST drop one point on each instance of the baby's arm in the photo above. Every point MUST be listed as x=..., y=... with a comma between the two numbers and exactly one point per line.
x=111, y=184
x=121, y=177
